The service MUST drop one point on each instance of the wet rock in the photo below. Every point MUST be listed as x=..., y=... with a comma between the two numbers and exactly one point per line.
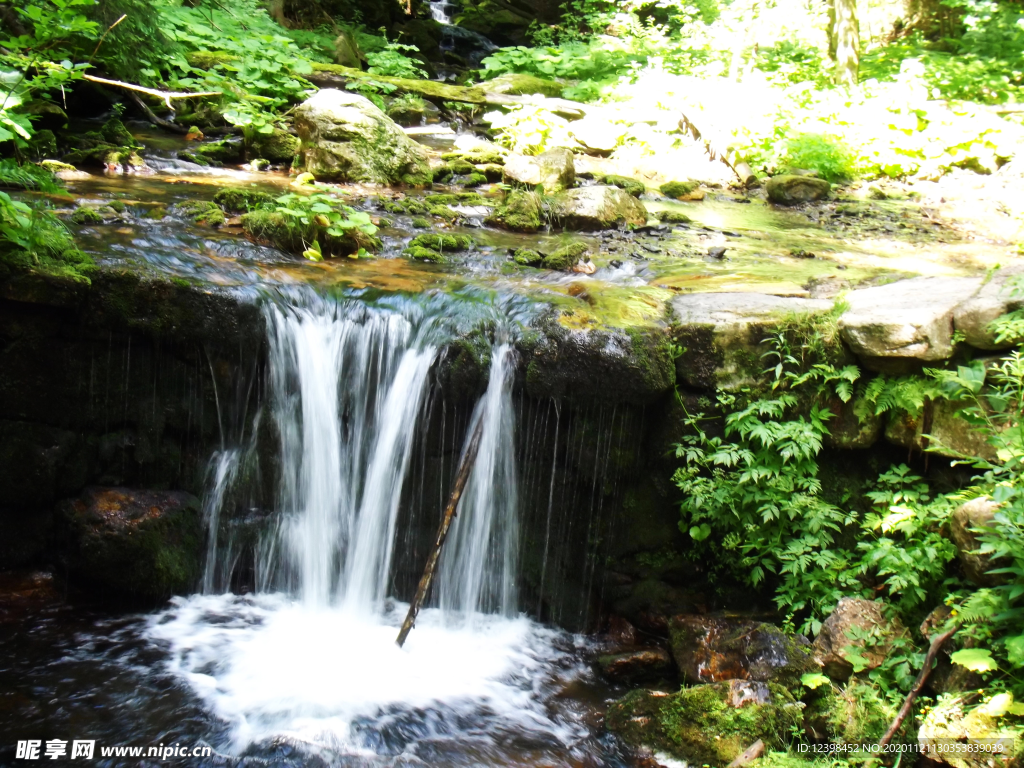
x=862, y=616
x=145, y=544
x=479, y=153
x=793, y=189
x=421, y=253
x=37, y=462
x=722, y=334
x=995, y=298
x=905, y=320
x=241, y=199
x=346, y=51
x=631, y=186
x=202, y=212
x=344, y=137
x=553, y=170
x=854, y=424
x=225, y=151
x=84, y=215
x=976, y=513
x=442, y=242
x=954, y=723
x=409, y=110
x=678, y=189
x=527, y=258
x=673, y=217
x=595, y=208
x=938, y=428
x=635, y=666
x=277, y=147
x=65, y=171
x=717, y=252
x=566, y=257
x=523, y=85
x=521, y=212
x=699, y=724
x=708, y=650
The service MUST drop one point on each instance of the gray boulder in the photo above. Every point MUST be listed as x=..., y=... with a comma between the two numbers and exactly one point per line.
x=908, y=319
x=793, y=190
x=344, y=137
x=594, y=208
x=554, y=170
x=939, y=428
x=973, y=317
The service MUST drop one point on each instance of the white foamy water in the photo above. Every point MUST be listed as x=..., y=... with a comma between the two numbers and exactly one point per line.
x=272, y=667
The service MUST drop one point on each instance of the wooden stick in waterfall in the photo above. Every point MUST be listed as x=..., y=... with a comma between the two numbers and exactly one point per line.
x=446, y=522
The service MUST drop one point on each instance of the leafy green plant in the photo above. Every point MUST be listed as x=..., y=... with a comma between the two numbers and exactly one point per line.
x=814, y=152
x=391, y=61
x=319, y=214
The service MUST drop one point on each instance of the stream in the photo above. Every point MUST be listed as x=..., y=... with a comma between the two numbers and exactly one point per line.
x=303, y=670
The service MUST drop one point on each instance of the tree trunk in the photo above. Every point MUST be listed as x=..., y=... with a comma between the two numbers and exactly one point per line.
x=844, y=33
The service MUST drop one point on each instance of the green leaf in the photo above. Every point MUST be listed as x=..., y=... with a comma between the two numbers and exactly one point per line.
x=1015, y=650
x=814, y=680
x=700, y=532
x=975, y=659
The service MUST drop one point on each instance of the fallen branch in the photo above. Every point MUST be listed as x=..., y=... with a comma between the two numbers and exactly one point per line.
x=165, y=95
x=468, y=460
x=752, y=752
x=151, y=116
x=922, y=678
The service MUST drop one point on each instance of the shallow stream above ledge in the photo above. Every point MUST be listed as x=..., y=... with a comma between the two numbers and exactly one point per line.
x=138, y=382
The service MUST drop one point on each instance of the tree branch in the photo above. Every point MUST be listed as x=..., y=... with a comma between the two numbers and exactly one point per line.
x=165, y=95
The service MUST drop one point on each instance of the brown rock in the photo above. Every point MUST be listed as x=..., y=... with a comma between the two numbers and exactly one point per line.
x=834, y=637
x=635, y=666
x=976, y=513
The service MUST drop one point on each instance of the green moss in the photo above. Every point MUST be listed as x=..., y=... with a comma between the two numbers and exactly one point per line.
x=856, y=715
x=443, y=242
x=479, y=155
x=632, y=186
x=83, y=215
x=522, y=212
x=442, y=174
x=674, y=217
x=527, y=258
x=114, y=132
x=461, y=167
x=156, y=213
x=240, y=199
x=52, y=251
x=277, y=147
x=117, y=206
x=292, y=236
x=677, y=189
x=192, y=157
x=202, y=212
x=698, y=725
x=474, y=180
x=566, y=257
x=221, y=151
x=207, y=60
x=420, y=253
x=420, y=223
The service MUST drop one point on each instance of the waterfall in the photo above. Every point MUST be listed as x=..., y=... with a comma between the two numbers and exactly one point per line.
x=439, y=10
x=478, y=569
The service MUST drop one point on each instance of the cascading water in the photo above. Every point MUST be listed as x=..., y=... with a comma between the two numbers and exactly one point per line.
x=314, y=662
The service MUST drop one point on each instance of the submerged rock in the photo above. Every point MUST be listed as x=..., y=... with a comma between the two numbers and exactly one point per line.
x=521, y=212
x=202, y=212
x=344, y=137
x=145, y=544
x=709, y=650
x=287, y=234
x=707, y=724
x=861, y=616
x=442, y=242
x=566, y=257
x=553, y=170
x=594, y=208
x=422, y=253
x=678, y=189
x=793, y=189
x=241, y=199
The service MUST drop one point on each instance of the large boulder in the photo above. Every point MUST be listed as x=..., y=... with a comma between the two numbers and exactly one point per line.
x=277, y=147
x=846, y=625
x=939, y=428
x=956, y=735
x=709, y=650
x=554, y=170
x=522, y=211
x=905, y=320
x=996, y=297
x=976, y=513
x=722, y=333
x=707, y=724
x=595, y=208
x=142, y=544
x=344, y=137
x=793, y=190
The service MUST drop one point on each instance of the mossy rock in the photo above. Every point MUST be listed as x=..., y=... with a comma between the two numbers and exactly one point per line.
x=461, y=167
x=631, y=186
x=856, y=714
x=54, y=254
x=673, y=217
x=702, y=725
x=677, y=189
x=481, y=154
x=459, y=198
x=527, y=258
x=114, y=132
x=192, y=157
x=521, y=212
x=443, y=212
x=442, y=174
x=292, y=236
x=220, y=151
x=442, y=242
x=474, y=180
x=524, y=85
x=203, y=212
x=43, y=145
x=117, y=206
x=240, y=199
x=420, y=223
x=156, y=213
x=207, y=60
x=566, y=257
x=84, y=215
x=277, y=147
x=419, y=253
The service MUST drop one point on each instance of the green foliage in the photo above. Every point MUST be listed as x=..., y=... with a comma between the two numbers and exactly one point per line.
x=391, y=61
x=31, y=238
x=815, y=152
x=319, y=214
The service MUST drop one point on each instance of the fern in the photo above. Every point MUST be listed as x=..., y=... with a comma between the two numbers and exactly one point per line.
x=31, y=177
